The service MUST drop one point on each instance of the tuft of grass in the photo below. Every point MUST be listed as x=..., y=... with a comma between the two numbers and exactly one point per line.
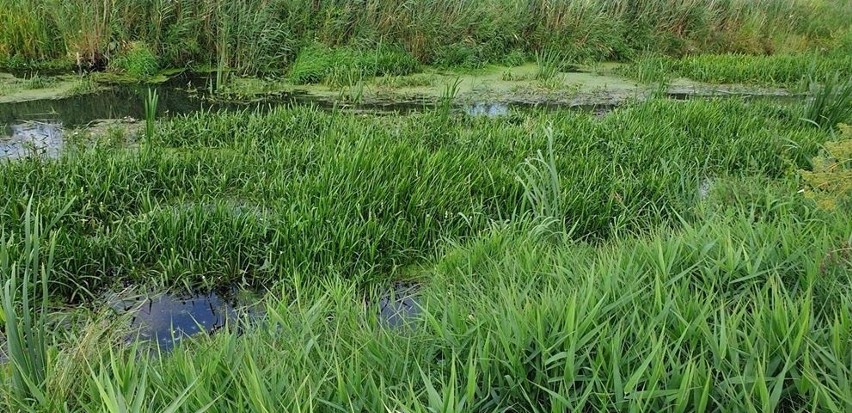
x=830, y=101
x=24, y=319
x=137, y=60
x=318, y=63
x=39, y=82
x=150, y=107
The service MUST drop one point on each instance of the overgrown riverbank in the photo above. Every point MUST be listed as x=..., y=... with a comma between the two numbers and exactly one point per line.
x=269, y=37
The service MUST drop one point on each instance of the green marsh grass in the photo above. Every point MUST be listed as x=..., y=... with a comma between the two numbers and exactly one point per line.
x=831, y=101
x=150, y=106
x=650, y=297
x=549, y=64
x=295, y=190
x=730, y=313
x=787, y=70
x=24, y=316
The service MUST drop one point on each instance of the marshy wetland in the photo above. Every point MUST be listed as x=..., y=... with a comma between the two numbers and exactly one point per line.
x=425, y=206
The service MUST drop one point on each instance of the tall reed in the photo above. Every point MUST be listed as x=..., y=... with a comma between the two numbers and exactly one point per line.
x=266, y=36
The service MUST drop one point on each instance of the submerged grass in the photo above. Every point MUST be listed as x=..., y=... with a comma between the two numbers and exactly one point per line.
x=564, y=261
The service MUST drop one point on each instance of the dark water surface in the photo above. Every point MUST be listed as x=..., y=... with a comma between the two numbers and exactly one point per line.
x=35, y=127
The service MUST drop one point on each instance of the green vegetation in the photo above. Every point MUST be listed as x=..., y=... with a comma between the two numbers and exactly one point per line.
x=667, y=256
x=830, y=181
x=565, y=261
x=250, y=37
x=318, y=63
x=831, y=101
x=136, y=60
x=776, y=70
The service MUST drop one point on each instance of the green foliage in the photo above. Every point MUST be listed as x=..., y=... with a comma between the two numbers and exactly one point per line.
x=777, y=70
x=830, y=102
x=136, y=60
x=39, y=82
x=459, y=55
x=317, y=63
x=829, y=182
x=327, y=190
x=514, y=58
x=24, y=272
x=150, y=113
x=650, y=295
x=264, y=37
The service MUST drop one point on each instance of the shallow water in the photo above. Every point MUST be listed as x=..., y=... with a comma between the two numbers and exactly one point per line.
x=31, y=138
x=36, y=126
x=166, y=319
x=399, y=305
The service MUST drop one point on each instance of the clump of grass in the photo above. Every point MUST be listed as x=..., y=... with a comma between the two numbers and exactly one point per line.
x=137, y=60
x=549, y=64
x=542, y=187
x=83, y=85
x=150, y=113
x=317, y=63
x=24, y=321
x=39, y=82
x=516, y=57
x=448, y=96
x=830, y=101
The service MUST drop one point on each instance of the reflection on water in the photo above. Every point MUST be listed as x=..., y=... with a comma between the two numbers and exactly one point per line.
x=166, y=319
x=487, y=109
x=399, y=305
x=31, y=138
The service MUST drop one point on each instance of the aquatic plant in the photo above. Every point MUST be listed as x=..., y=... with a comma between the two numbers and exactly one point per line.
x=540, y=179
x=150, y=107
x=549, y=64
x=650, y=297
x=26, y=271
x=830, y=101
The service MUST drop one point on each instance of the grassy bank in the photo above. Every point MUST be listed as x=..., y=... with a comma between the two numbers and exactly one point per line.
x=671, y=255
x=267, y=36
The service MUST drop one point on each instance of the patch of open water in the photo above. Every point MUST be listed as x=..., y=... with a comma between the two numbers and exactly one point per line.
x=164, y=320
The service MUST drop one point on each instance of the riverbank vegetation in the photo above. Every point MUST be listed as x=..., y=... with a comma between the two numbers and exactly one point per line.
x=669, y=255
x=268, y=37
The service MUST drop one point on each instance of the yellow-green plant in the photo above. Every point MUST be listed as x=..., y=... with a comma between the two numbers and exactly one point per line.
x=829, y=183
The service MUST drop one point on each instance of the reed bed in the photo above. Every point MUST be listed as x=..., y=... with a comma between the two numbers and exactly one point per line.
x=252, y=37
